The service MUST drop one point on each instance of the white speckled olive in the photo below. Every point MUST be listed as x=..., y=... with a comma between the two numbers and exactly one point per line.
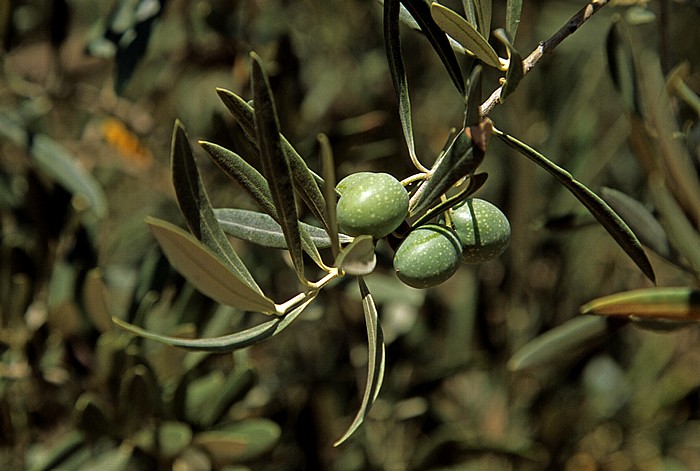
x=371, y=203
x=428, y=256
x=483, y=230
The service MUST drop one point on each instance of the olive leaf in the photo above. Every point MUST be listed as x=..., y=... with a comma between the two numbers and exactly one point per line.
x=226, y=343
x=603, y=213
x=205, y=270
x=484, y=12
x=549, y=347
x=262, y=229
x=621, y=67
x=671, y=303
x=196, y=207
x=358, y=257
x=515, y=71
x=307, y=183
x=375, y=360
x=465, y=34
x=472, y=115
x=475, y=182
x=329, y=192
x=420, y=11
x=392, y=42
x=513, y=12
x=257, y=187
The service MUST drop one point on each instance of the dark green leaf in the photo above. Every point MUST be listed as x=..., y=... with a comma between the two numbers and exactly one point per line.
x=420, y=11
x=275, y=164
x=484, y=12
x=552, y=345
x=612, y=223
x=358, y=257
x=375, y=363
x=261, y=229
x=476, y=181
x=226, y=343
x=196, y=207
x=329, y=192
x=205, y=271
x=465, y=34
x=641, y=221
x=460, y=160
x=472, y=114
x=392, y=42
x=513, y=11
x=515, y=71
x=622, y=69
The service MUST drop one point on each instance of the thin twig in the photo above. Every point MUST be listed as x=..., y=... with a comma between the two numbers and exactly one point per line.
x=546, y=47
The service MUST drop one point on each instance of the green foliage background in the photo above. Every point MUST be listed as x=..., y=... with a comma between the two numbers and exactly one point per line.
x=628, y=399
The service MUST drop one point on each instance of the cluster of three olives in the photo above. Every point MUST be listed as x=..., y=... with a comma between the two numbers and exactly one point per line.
x=377, y=203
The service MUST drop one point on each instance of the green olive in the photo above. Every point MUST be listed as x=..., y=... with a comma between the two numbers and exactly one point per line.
x=371, y=203
x=429, y=255
x=483, y=230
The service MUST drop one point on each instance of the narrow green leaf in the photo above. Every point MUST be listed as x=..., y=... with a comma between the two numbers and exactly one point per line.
x=262, y=229
x=375, y=363
x=420, y=11
x=67, y=445
x=513, y=12
x=460, y=160
x=241, y=441
x=237, y=384
x=358, y=257
x=621, y=66
x=257, y=187
x=307, y=183
x=205, y=271
x=472, y=113
x=196, y=207
x=612, y=223
x=329, y=192
x=476, y=181
x=672, y=303
x=56, y=161
x=226, y=343
x=465, y=34
x=550, y=346
x=641, y=221
x=484, y=12
x=515, y=71
x=392, y=42
x=470, y=12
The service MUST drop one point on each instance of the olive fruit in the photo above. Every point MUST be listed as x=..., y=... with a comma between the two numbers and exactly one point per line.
x=429, y=255
x=371, y=203
x=482, y=228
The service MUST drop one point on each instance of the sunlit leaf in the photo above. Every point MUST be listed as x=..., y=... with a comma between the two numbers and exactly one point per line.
x=261, y=229
x=226, y=343
x=392, y=42
x=205, y=271
x=515, y=70
x=673, y=303
x=375, y=363
x=420, y=11
x=358, y=257
x=513, y=12
x=557, y=342
x=641, y=221
x=196, y=207
x=275, y=164
x=612, y=223
x=465, y=34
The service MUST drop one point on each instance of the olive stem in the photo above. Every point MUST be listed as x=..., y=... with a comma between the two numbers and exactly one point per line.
x=414, y=178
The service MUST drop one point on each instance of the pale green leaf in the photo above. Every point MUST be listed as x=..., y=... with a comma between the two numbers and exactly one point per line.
x=672, y=303
x=358, y=257
x=205, y=271
x=465, y=34
x=241, y=441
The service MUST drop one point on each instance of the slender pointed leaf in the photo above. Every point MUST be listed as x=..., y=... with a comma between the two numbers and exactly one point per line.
x=621, y=66
x=275, y=164
x=672, y=303
x=329, y=194
x=470, y=12
x=476, y=181
x=612, y=223
x=513, y=12
x=196, y=207
x=515, y=71
x=472, y=114
x=257, y=187
x=205, y=271
x=358, y=257
x=484, y=12
x=392, y=42
x=262, y=229
x=307, y=183
x=459, y=161
x=420, y=11
x=375, y=363
x=641, y=221
x=550, y=346
x=226, y=343
x=465, y=34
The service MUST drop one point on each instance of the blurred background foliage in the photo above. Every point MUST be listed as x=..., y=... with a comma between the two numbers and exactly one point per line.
x=82, y=165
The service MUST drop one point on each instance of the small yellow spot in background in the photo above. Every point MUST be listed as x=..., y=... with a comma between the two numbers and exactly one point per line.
x=129, y=146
